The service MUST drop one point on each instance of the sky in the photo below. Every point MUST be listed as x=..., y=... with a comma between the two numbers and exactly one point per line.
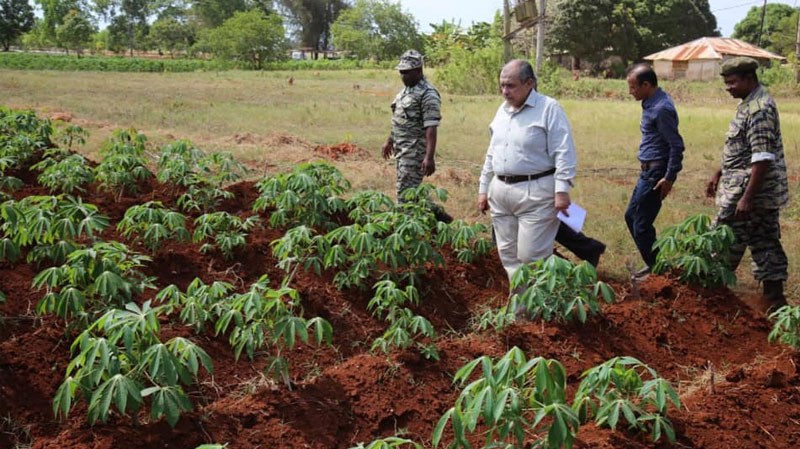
x=728, y=12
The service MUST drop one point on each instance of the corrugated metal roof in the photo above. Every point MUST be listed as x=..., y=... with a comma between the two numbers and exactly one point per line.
x=712, y=48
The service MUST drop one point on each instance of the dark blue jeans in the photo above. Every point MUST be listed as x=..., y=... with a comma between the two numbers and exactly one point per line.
x=642, y=212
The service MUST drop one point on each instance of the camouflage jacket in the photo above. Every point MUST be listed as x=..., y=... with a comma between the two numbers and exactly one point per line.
x=414, y=109
x=754, y=136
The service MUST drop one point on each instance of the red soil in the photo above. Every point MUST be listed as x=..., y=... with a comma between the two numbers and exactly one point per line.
x=342, y=395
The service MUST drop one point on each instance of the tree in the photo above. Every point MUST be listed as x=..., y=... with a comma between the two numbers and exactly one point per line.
x=53, y=14
x=630, y=29
x=313, y=19
x=76, y=32
x=213, y=13
x=252, y=36
x=375, y=29
x=749, y=28
x=171, y=35
x=784, y=36
x=16, y=17
x=128, y=19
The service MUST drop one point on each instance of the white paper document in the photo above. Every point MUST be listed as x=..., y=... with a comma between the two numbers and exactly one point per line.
x=577, y=215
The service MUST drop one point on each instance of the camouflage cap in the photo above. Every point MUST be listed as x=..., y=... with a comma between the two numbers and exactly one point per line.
x=411, y=59
x=739, y=64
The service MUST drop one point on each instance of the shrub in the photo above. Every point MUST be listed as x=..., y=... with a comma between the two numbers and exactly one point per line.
x=472, y=72
x=698, y=252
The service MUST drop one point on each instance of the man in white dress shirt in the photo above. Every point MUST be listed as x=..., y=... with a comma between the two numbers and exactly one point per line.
x=528, y=171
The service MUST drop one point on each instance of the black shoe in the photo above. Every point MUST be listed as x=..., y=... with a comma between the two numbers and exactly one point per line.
x=441, y=215
x=773, y=294
x=594, y=259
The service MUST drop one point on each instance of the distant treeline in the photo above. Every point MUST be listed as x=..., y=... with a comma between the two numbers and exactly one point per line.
x=39, y=61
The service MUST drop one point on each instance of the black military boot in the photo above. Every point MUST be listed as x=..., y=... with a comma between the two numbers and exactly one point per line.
x=773, y=294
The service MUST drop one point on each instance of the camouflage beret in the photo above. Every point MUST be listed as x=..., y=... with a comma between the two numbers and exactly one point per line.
x=411, y=59
x=739, y=64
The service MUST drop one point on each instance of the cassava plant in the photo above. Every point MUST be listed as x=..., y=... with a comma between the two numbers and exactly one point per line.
x=787, y=326
x=124, y=163
x=697, y=251
x=22, y=135
x=552, y=289
x=266, y=319
x=152, y=223
x=184, y=165
x=625, y=388
x=223, y=231
x=51, y=225
x=516, y=399
x=94, y=279
x=310, y=195
x=405, y=327
x=200, y=304
x=120, y=362
x=406, y=238
x=389, y=443
x=66, y=174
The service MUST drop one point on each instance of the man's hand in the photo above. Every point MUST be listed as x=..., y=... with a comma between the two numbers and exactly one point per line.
x=387, y=149
x=428, y=166
x=743, y=207
x=562, y=202
x=483, y=203
x=664, y=186
x=713, y=183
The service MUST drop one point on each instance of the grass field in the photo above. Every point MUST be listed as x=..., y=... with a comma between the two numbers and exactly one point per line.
x=269, y=123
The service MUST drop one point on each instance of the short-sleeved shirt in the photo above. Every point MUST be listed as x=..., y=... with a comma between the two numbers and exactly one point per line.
x=754, y=136
x=414, y=109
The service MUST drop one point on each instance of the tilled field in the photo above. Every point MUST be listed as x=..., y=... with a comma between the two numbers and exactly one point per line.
x=737, y=390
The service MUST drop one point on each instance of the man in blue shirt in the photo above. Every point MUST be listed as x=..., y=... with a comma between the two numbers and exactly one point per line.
x=660, y=155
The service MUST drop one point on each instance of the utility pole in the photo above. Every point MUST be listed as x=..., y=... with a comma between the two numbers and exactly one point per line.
x=797, y=53
x=540, y=36
x=763, y=15
x=506, y=31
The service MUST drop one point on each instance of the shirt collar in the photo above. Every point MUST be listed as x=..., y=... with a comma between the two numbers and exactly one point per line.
x=530, y=101
x=647, y=102
x=754, y=94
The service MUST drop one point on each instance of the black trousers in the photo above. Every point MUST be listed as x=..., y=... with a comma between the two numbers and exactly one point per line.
x=578, y=243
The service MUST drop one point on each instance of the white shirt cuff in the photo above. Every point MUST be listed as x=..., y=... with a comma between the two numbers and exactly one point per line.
x=763, y=156
x=562, y=186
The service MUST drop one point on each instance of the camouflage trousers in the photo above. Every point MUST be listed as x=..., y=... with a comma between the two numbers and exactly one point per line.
x=761, y=232
x=409, y=174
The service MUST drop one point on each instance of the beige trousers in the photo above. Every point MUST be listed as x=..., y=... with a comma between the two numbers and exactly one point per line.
x=524, y=220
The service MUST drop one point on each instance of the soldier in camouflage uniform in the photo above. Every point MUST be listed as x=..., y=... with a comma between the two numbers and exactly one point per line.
x=416, y=113
x=751, y=185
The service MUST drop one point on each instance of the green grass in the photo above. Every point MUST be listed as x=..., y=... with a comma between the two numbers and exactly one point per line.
x=249, y=112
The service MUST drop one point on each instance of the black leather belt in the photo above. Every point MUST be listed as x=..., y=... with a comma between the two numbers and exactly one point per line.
x=513, y=179
x=647, y=165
